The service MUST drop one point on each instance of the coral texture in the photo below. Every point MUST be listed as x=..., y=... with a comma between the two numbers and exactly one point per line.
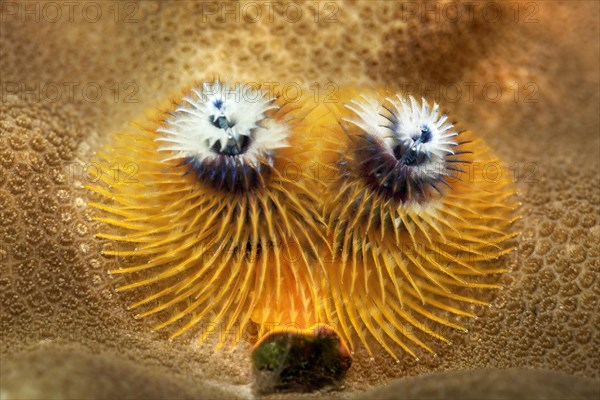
x=53, y=283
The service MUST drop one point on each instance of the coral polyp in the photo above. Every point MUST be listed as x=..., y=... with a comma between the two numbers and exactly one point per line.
x=418, y=213
x=220, y=224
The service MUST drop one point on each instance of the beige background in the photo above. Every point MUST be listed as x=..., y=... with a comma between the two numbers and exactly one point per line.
x=65, y=333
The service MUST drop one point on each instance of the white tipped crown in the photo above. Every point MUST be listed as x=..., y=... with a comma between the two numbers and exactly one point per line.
x=417, y=127
x=223, y=114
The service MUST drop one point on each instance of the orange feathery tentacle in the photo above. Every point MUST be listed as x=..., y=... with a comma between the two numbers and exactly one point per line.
x=214, y=250
x=413, y=240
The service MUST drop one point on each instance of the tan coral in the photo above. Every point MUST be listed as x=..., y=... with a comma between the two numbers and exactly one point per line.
x=544, y=318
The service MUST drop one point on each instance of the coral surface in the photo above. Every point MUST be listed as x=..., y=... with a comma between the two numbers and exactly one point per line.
x=527, y=82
